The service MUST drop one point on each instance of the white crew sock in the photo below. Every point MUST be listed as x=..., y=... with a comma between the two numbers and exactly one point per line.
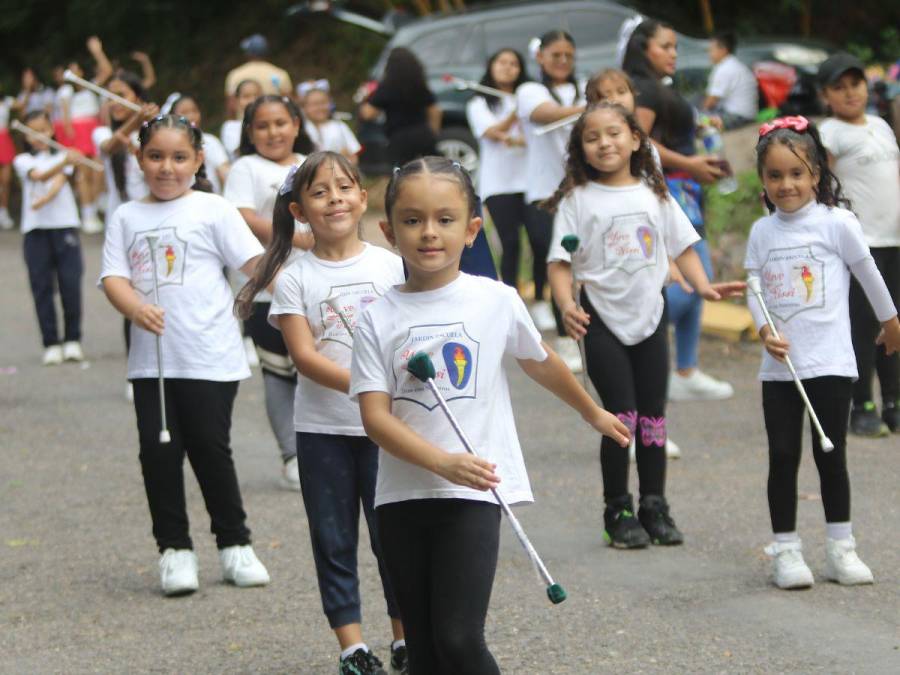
x=786, y=537
x=89, y=210
x=838, y=531
x=396, y=644
x=352, y=648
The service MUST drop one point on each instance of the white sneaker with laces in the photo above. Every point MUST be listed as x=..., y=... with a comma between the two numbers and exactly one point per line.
x=178, y=571
x=252, y=356
x=672, y=449
x=789, y=570
x=290, y=475
x=91, y=224
x=542, y=315
x=53, y=355
x=241, y=567
x=568, y=351
x=71, y=351
x=843, y=565
x=698, y=386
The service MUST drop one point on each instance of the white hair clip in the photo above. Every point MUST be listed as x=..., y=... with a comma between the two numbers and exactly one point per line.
x=166, y=107
x=313, y=85
x=288, y=183
x=625, y=31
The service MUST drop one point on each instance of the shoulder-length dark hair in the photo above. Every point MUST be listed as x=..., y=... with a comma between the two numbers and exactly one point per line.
x=546, y=40
x=302, y=144
x=404, y=76
x=487, y=79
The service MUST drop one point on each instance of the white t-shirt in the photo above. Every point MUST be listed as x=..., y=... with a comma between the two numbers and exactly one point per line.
x=199, y=233
x=231, y=137
x=82, y=103
x=302, y=289
x=735, y=86
x=503, y=168
x=802, y=261
x=867, y=162
x=546, y=154
x=59, y=212
x=253, y=183
x=627, y=235
x=333, y=135
x=214, y=156
x=135, y=187
x=467, y=327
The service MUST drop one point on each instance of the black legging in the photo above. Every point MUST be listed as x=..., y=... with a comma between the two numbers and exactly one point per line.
x=632, y=381
x=508, y=215
x=864, y=329
x=441, y=555
x=784, y=411
x=539, y=228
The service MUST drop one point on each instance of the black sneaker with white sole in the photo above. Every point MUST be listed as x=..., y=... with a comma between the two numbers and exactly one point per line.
x=890, y=415
x=622, y=529
x=864, y=421
x=654, y=516
x=361, y=662
x=399, y=661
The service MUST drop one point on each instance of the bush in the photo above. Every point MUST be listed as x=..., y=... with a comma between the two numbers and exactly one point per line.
x=736, y=212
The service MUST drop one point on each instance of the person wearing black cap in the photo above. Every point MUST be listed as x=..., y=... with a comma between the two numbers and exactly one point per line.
x=864, y=156
x=270, y=77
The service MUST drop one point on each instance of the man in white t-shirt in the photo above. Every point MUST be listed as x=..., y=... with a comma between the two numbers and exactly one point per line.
x=733, y=92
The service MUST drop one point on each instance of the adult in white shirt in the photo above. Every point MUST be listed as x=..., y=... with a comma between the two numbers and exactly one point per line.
x=502, y=176
x=733, y=92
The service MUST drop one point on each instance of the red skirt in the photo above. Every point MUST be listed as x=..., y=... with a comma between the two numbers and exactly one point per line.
x=83, y=128
x=7, y=147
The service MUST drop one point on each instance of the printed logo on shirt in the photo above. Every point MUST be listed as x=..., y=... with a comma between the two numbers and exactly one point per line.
x=629, y=243
x=793, y=281
x=454, y=354
x=170, y=252
x=353, y=299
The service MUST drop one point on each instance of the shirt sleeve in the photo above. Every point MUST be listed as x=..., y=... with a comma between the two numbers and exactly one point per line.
x=851, y=242
x=523, y=341
x=114, y=261
x=234, y=240
x=479, y=116
x=350, y=143
x=679, y=233
x=288, y=295
x=718, y=81
x=565, y=222
x=529, y=96
x=239, y=186
x=22, y=164
x=368, y=371
x=99, y=136
x=214, y=151
x=830, y=135
x=65, y=92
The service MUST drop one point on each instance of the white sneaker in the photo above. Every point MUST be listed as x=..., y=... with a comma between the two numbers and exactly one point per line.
x=53, y=355
x=542, y=315
x=788, y=567
x=843, y=565
x=241, y=567
x=252, y=356
x=290, y=475
x=178, y=571
x=129, y=392
x=698, y=386
x=568, y=351
x=71, y=351
x=672, y=449
x=91, y=224
x=6, y=222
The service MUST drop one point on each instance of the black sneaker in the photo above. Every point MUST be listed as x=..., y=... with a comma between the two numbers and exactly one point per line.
x=399, y=662
x=654, y=516
x=361, y=662
x=622, y=529
x=890, y=414
x=864, y=421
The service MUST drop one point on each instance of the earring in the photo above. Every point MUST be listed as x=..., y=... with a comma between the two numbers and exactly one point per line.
x=470, y=244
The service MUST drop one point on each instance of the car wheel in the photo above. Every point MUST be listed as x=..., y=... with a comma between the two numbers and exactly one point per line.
x=459, y=145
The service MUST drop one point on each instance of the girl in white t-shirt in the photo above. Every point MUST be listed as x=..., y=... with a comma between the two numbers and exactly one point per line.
x=247, y=92
x=271, y=142
x=614, y=199
x=438, y=524
x=554, y=98
x=197, y=234
x=803, y=254
x=338, y=463
x=502, y=176
x=215, y=157
x=326, y=132
x=52, y=249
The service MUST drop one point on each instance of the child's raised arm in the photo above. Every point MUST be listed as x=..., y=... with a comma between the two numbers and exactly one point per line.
x=555, y=376
x=399, y=439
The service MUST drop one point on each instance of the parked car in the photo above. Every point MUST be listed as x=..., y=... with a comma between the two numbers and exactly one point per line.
x=459, y=44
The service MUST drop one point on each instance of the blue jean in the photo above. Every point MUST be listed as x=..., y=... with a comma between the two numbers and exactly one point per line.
x=685, y=310
x=337, y=475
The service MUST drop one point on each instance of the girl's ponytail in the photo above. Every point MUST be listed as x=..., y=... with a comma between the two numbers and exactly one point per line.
x=277, y=251
x=201, y=182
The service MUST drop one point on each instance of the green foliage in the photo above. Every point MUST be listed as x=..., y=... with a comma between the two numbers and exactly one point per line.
x=735, y=212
